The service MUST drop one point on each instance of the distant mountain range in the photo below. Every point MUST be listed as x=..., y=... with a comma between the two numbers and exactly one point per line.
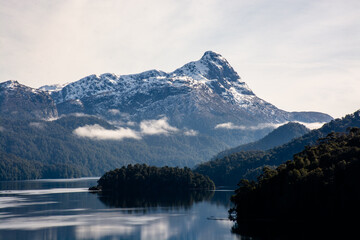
x=189, y=115
x=206, y=96
x=200, y=95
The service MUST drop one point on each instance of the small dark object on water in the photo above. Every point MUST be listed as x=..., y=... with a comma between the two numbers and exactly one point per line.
x=94, y=189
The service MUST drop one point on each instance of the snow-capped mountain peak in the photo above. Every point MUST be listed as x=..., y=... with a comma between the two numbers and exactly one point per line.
x=211, y=66
x=207, y=85
x=215, y=59
x=11, y=84
x=18, y=100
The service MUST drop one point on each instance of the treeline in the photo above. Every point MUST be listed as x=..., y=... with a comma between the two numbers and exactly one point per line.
x=53, y=143
x=249, y=164
x=320, y=184
x=15, y=168
x=144, y=179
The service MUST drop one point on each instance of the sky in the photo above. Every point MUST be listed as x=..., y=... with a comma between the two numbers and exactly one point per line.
x=300, y=55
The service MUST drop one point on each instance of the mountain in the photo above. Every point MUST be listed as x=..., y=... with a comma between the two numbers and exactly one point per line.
x=32, y=148
x=20, y=101
x=249, y=164
x=202, y=95
x=105, y=121
x=277, y=137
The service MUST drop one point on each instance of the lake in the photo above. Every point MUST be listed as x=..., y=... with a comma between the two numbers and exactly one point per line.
x=65, y=209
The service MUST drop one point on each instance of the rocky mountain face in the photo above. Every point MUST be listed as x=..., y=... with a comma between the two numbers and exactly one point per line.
x=205, y=96
x=20, y=101
x=201, y=95
x=181, y=118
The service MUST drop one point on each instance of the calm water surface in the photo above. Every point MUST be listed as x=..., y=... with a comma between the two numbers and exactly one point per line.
x=64, y=209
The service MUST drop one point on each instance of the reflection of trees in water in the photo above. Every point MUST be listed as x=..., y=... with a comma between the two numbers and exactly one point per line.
x=46, y=184
x=222, y=198
x=284, y=230
x=171, y=200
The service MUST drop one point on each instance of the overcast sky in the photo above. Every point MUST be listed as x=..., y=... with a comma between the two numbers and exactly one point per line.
x=298, y=55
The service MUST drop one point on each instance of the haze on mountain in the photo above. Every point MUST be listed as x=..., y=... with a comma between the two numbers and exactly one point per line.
x=229, y=169
x=179, y=118
x=278, y=137
x=203, y=95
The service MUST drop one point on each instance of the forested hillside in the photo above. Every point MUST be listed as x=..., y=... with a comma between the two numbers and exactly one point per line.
x=319, y=185
x=277, y=137
x=230, y=169
x=31, y=146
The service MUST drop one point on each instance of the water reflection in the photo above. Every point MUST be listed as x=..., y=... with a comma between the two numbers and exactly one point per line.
x=296, y=230
x=146, y=201
x=63, y=210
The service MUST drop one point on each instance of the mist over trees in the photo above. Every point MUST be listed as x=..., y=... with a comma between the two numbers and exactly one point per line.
x=249, y=164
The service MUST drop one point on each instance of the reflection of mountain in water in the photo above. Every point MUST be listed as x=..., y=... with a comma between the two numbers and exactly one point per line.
x=172, y=200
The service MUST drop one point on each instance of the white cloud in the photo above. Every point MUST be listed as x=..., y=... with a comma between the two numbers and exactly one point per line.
x=230, y=125
x=280, y=48
x=99, y=133
x=157, y=127
x=131, y=123
x=147, y=127
x=312, y=126
x=2, y=129
x=191, y=132
x=50, y=119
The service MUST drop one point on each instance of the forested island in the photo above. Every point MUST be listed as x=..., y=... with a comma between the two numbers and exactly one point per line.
x=320, y=185
x=143, y=179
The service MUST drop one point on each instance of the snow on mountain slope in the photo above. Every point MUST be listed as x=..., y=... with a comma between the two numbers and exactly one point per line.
x=199, y=95
x=212, y=71
x=20, y=101
x=53, y=88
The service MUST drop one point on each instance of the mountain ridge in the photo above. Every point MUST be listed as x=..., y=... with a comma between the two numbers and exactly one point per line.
x=281, y=135
x=19, y=101
x=181, y=118
x=209, y=85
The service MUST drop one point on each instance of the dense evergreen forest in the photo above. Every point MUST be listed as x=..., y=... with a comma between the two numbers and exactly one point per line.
x=320, y=184
x=15, y=168
x=32, y=149
x=249, y=164
x=144, y=179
